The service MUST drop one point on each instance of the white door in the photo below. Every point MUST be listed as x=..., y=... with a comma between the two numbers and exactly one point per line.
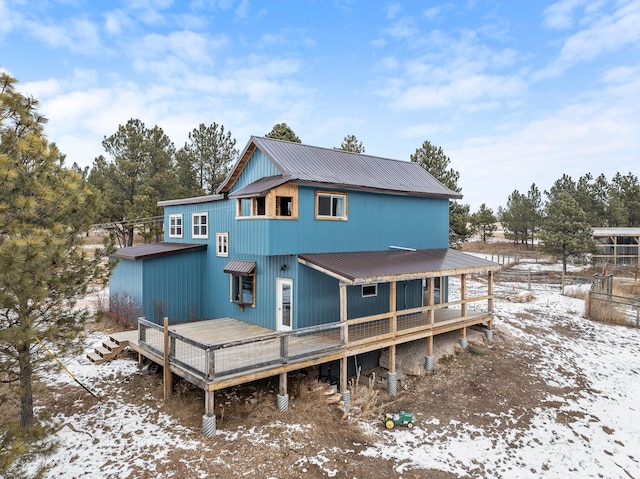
x=284, y=304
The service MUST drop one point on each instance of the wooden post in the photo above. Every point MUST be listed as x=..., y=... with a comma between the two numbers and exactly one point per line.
x=430, y=299
x=283, y=384
x=392, y=358
x=209, y=403
x=463, y=295
x=344, y=331
x=490, y=294
x=343, y=374
x=168, y=375
x=392, y=308
x=430, y=346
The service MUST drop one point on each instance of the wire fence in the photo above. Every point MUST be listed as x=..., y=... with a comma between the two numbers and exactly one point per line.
x=611, y=308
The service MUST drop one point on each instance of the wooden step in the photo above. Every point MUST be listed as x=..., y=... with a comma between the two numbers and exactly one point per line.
x=104, y=352
x=112, y=346
x=95, y=358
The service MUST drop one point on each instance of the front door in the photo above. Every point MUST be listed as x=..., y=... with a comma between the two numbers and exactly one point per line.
x=284, y=304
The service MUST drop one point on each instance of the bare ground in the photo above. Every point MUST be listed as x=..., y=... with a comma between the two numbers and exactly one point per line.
x=491, y=377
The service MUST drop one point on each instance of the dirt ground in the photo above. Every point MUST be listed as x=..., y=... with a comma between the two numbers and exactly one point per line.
x=469, y=385
x=491, y=377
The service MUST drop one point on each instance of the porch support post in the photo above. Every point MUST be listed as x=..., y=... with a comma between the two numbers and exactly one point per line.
x=464, y=342
x=392, y=308
x=283, y=397
x=489, y=331
x=463, y=295
x=392, y=376
x=428, y=360
x=209, y=418
x=430, y=301
x=343, y=374
x=167, y=374
x=344, y=331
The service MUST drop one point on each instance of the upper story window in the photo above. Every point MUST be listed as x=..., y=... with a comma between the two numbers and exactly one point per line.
x=200, y=223
x=284, y=205
x=331, y=206
x=222, y=244
x=175, y=226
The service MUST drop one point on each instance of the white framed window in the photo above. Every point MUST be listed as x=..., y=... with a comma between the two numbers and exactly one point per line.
x=222, y=244
x=369, y=290
x=175, y=226
x=200, y=222
x=331, y=206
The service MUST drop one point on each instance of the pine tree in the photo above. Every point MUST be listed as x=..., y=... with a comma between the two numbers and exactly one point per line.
x=351, y=143
x=565, y=229
x=44, y=269
x=433, y=159
x=484, y=222
x=282, y=131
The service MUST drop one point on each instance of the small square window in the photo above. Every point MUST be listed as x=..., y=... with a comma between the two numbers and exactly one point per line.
x=175, y=226
x=222, y=244
x=369, y=290
x=200, y=225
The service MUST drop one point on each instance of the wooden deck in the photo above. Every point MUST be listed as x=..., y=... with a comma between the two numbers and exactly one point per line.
x=220, y=353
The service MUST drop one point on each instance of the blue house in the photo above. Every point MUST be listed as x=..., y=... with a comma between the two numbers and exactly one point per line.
x=305, y=255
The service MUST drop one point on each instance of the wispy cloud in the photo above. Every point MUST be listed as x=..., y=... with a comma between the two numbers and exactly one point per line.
x=602, y=34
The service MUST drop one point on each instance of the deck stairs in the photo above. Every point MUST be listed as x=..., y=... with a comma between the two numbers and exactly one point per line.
x=110, y=347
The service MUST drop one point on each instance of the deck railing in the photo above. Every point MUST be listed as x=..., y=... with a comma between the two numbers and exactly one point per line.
x=209, y=362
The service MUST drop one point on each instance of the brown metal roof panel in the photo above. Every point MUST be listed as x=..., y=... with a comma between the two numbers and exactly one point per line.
x=240, y=267
x=359, y=267
x=260, y=187
x=154, y=250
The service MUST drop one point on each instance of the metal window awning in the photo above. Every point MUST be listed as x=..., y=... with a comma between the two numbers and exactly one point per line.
x=240, y=267
x=260, y=187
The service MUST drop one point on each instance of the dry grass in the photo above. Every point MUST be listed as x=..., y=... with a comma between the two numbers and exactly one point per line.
x=604, y=311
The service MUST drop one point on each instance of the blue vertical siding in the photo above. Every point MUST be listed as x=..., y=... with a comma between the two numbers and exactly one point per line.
x=259, y=166
x=192, y=286
x=174, y=287
x=126, y=279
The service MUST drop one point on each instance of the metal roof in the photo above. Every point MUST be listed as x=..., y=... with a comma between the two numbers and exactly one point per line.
x=616, y=232
x=155, y=250
x=338, y=168
x=259, y=188
x=364, y=267
x=189, y=201
x=240, y=267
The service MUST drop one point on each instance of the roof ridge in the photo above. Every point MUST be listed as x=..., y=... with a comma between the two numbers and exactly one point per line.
x=334, y=149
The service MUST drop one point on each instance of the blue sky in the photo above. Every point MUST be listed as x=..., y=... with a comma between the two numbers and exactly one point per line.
x=515, y=92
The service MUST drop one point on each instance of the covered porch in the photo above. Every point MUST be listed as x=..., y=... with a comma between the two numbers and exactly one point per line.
x=220, y=353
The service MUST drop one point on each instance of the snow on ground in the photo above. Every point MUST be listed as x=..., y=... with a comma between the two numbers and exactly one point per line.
x=592, y=433
x=602, y=439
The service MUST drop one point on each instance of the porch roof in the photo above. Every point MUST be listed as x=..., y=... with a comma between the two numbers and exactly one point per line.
x=363, y=267
x=155, y=250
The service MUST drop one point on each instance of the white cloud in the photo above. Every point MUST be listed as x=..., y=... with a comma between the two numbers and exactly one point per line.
x=78, y=34
x=607, y=34
x=559, y=15
x=599, y=132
